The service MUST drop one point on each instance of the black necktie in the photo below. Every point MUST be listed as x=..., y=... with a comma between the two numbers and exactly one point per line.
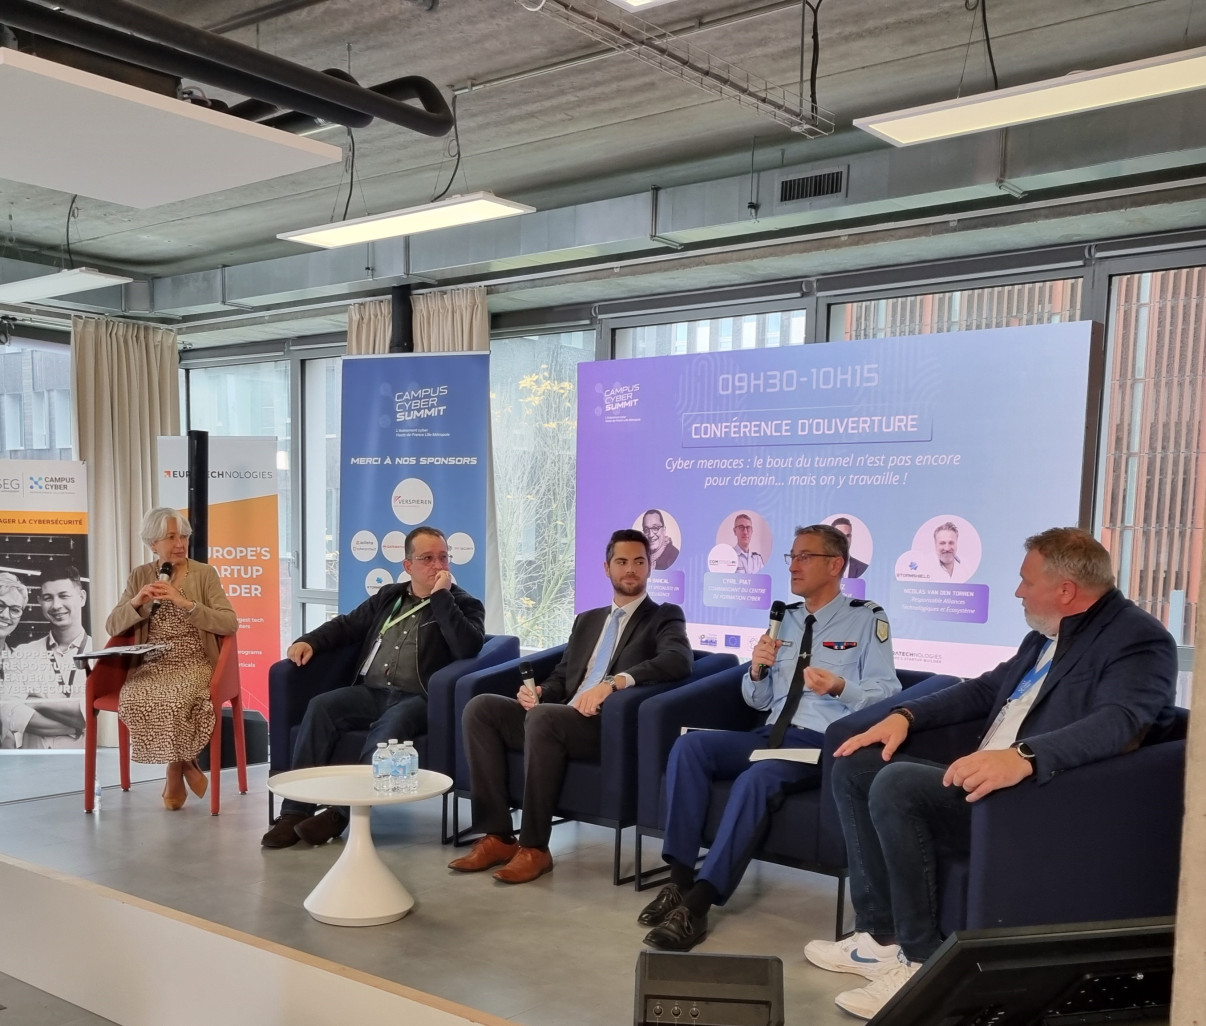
x=797, y=686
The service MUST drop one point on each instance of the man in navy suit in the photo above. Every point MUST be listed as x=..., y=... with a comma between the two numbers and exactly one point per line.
x=1089, y=681
x=632, y=641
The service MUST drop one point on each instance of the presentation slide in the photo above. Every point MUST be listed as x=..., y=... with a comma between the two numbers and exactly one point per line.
x=936, y=455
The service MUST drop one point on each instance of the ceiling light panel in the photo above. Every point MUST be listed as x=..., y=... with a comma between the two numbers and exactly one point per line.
x=110, y=141
x=449, y=213
x=1039, y=101
x=64, y=283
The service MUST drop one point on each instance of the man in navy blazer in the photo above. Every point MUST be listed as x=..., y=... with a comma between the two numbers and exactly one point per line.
x=1095, y=674
x=631, y=642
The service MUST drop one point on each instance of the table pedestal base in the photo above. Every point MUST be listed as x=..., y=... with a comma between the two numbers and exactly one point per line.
x=359, y=890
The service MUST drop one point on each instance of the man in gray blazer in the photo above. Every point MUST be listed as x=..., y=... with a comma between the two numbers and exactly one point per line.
x=631, y=642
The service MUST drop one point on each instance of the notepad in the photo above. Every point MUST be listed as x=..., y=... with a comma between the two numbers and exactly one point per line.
x=809, y=755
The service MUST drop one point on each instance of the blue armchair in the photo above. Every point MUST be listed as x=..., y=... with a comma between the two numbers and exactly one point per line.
x=604, y=792
x=805, y=832
x=1098, y=842
x=290, y=689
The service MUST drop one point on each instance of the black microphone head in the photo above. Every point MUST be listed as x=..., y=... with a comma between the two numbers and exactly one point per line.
x=525, y=670
x=166, y=569
x=777, y=610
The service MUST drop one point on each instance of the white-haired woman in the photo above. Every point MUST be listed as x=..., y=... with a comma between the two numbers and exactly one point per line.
x=165, y=702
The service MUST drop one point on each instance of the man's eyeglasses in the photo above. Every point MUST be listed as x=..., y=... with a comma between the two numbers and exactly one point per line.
x=13, y=612
x=791, y=558
x=430, y=558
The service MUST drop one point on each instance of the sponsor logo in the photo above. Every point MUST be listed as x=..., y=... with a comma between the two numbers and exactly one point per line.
x=619, y=397
x=10, y=484
x=732, y=641
x=227, y=475
x=707, y=641
x=36, y=484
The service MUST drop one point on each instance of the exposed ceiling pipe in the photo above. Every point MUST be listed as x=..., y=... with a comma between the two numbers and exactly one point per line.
x=310, y=92
x=410, y=87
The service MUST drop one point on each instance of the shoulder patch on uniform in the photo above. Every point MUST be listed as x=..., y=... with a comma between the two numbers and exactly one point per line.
x=881, y=630
x=868, y=603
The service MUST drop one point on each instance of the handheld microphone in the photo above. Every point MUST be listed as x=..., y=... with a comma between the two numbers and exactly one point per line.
x=165, y=575
x=529, y=677
x=777, y=610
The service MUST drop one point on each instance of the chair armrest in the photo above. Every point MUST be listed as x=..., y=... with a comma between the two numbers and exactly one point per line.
x=1098, y=842
x=442, y=723
x=290, y=689
x=107, y=675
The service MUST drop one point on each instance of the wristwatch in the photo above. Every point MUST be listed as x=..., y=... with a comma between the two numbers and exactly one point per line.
x=1024, y=750
x=610, y=681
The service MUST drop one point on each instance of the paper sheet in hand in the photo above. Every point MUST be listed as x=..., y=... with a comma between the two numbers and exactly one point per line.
x=122, y=650
x=809, y=755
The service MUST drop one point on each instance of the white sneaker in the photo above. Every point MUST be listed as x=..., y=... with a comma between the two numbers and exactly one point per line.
x=867, y=1001
x=857, y=954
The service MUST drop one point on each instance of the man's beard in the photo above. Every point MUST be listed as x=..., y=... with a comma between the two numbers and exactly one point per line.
x=1047, y=628
x=629, y=588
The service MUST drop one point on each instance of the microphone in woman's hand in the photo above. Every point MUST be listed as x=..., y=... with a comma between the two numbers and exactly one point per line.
x=165, y=575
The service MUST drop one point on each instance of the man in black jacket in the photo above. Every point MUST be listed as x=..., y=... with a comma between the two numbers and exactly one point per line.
x=406, y=632
x=630, y=642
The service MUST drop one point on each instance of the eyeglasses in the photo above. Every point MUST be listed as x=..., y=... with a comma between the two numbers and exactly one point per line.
x=13, y=612
x=430, y=558
x=791, y=558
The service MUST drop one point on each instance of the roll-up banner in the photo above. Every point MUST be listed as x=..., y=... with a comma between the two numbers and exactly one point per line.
x=413, y=452
x=937, y=455
x=44, y=611
x=244, y=542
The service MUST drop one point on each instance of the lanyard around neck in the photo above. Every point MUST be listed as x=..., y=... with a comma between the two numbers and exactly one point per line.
x=393, y=621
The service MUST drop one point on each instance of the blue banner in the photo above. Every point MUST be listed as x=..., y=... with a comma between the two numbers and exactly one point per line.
x=412, y=451
x=937, y=455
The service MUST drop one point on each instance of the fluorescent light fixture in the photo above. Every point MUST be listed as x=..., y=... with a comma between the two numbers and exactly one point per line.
x=639, y=5
x=446, y=213
x=47, y=286
x=1052, y=98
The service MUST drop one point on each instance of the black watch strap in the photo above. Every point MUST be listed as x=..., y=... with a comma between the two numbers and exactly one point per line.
x=1024, y=750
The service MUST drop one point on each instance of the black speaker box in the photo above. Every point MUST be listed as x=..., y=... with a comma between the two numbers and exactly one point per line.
x=708, y=990
x=255, y=732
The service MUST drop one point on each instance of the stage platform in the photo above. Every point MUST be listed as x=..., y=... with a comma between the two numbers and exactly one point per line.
x=560, y=950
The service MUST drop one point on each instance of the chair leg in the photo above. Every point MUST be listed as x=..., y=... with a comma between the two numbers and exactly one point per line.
x=89, y=759
x=240, y=742
x=215, y=762
x=123, y=741
x=839, y=929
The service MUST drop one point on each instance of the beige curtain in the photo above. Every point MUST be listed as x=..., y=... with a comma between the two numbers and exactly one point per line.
x=369, y=327
x=126, y=387
x=453, y=321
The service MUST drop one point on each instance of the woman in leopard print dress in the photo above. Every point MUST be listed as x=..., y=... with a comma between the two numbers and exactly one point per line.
x=165, y=701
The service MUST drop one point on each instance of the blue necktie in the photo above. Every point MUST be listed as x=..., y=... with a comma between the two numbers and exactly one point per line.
x=599, y=670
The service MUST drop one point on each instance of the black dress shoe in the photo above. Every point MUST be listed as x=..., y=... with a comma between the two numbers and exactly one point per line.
x=654, y=914
x=680, y=931
x=282, y=834
x=328, y=824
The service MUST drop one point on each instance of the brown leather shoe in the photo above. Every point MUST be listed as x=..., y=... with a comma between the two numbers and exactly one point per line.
x=528, y=864
x=486, y=853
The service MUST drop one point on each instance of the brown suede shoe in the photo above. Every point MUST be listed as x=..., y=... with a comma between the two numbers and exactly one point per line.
x=486, y=853
x=528, y=864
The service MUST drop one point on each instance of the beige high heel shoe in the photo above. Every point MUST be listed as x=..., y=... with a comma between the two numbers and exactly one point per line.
x=197, y=781
x=174, y=794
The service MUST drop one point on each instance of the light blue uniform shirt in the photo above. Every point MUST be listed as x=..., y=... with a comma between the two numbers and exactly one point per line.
x=863, y=661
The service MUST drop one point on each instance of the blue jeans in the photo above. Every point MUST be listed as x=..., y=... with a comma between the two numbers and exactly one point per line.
x=896, y=817
x=384, y=712
x=701, y=756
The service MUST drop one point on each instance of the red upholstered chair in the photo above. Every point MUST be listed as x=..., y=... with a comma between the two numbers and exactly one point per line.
x=105, y=681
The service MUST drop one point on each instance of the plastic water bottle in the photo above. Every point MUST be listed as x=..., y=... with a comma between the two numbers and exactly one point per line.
x=96, y=797
x=397, y=769
x=411, y=780
x=383, y=769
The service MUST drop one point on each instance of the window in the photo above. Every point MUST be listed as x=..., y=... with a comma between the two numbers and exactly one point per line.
x=533, y=402
x=321, y=385
x=1153, y=458
x=744, y=331
x=998, y=306
x=35, y=401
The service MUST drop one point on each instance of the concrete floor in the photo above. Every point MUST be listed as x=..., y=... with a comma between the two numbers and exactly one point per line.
x=560, y=950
